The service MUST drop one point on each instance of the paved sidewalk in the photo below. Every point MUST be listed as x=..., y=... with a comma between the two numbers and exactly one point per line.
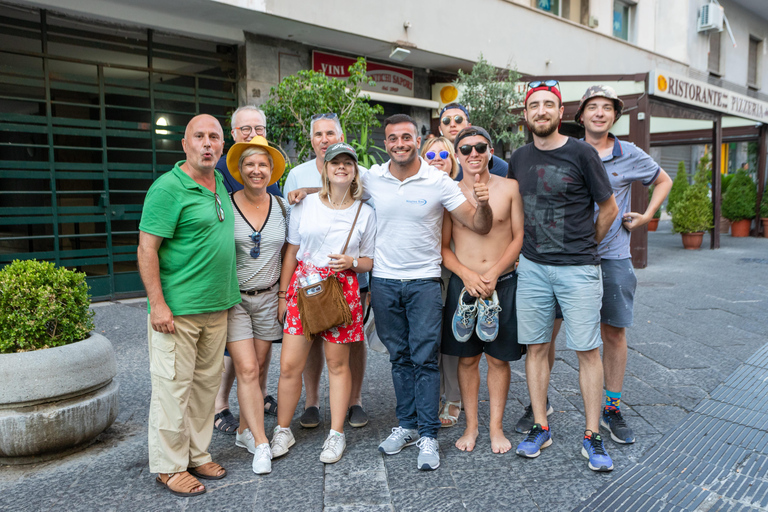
x=699, y=315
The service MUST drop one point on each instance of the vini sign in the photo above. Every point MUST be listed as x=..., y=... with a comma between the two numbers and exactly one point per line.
x=389, y=79
x=686, y=90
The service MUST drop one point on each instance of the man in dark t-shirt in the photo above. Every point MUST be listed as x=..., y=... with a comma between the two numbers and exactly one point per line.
x=560, y=181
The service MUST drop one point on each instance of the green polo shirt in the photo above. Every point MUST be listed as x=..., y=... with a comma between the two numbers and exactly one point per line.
x=197, y=256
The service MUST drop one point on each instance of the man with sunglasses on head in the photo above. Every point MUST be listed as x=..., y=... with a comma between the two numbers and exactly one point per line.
x=248, y=121
x=479, y=313
x=454, y=118
x=561, y=179
x=186, y=258
x=325, y=131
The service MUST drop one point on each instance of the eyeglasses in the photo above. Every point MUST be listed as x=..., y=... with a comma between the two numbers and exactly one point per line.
x=256, y=237
x=480, y=147
x=329, y=115
x=549, y=84
x=258, y=129
x=447, y=119
x=219, y=209
x=431, y=155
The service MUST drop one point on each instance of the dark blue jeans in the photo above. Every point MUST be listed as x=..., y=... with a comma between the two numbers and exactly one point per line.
x=409, y=322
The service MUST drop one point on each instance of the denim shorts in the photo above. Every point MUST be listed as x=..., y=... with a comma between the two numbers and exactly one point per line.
x=619, y=285
x=579, y=291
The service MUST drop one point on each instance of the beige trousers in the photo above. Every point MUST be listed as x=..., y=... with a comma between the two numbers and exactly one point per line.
x=186, y=369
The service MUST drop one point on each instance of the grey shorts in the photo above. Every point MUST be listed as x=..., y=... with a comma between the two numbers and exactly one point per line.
x=619, y=285
x=255, y=317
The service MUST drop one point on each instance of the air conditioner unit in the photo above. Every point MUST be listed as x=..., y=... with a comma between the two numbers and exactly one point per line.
x=711, y=17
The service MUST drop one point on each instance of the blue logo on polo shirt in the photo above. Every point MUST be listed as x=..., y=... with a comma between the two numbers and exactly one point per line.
x=419, y=202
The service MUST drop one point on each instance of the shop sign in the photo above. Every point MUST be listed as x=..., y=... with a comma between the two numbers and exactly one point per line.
x=701, y=94
x=389, y=79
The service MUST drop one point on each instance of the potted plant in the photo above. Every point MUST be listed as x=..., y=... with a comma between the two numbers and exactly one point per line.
x=693, y=216
x=764, y=212
x=739, y=203
x=679, y=186
x=653, y=224
x=725, y=224
x=58, y=393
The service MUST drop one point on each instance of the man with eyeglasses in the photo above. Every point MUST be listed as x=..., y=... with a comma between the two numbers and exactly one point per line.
x=325, y=131
x=561, y=179
x=454, y=118
x=186, y=258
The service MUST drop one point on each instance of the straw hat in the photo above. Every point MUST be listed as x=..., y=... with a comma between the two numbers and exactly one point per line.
x=233, y=158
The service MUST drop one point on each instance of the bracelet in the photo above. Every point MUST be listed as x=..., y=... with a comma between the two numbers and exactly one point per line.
x=281, y=291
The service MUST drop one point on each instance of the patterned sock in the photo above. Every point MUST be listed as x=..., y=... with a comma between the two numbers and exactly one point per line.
x=612, y=400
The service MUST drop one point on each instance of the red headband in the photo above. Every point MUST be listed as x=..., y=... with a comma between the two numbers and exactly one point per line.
x=553, y=89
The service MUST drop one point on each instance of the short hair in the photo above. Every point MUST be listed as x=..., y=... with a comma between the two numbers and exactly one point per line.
x=248, y=107
x=401, y=118
x=356, y=187
x=255, y=151
x=336, y=124
x=448, y=147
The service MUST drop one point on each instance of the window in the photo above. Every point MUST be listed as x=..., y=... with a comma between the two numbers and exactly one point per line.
x=713, y=64
x=752, y=62
x=574, y=10
x=551, y=6
x=622, y=12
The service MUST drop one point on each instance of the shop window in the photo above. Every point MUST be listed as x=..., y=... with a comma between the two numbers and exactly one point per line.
x=622, y=18
x=752, y=62
x=713, y=61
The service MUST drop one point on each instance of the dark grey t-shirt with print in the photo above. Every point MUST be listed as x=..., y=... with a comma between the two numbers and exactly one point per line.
x=559, y=189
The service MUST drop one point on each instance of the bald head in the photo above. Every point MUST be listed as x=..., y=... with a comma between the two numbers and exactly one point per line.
x=203, y=143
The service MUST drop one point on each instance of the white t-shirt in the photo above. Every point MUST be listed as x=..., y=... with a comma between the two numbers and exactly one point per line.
x=409, y=218
x=320, y=230
x=303, y=175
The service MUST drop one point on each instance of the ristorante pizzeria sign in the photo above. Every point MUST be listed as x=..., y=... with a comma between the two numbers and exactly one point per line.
x=686, y=90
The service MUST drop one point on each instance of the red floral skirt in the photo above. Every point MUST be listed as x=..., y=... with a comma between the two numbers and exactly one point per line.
x=340, y=334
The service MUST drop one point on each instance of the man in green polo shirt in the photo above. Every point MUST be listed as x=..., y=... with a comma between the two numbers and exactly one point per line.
x=187, y=262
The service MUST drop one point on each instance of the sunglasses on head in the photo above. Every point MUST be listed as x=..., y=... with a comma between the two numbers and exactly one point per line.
x=328, y=115
x=256, y=237
x=543, y=83
x=431, y=155
x=480, y=147
x=219, y=208
x=447, y=119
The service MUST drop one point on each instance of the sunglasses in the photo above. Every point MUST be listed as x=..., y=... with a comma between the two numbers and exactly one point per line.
x=480, y=147
x=543, y=83
x=447, y=119
x=256, y=237
x=246, y=130
x=329, y=115
x=219, y=209
x=431, y=155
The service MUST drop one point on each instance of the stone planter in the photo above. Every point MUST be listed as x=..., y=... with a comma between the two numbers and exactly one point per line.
x=653, y=224
x=692, y=241
x=740, y=228
x=56, y=400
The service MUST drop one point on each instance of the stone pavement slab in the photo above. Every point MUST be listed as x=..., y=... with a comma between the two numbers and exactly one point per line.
x=699, y=316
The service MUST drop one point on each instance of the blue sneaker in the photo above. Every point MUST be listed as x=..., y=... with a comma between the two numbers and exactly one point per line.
x=488, y=318
x=464, y=318
x=592, y=448
x=537, y=440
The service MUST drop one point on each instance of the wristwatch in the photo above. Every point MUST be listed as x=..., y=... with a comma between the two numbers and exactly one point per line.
x=354, y=262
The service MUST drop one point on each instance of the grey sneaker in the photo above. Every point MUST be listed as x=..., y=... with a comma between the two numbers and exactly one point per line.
x=246, y=440
x=399, y=439
x=488, y=318
x=333, y=448
x=282, y=439
x=262, y=459
x=464, y=318
x=525, y=423
x=429, y=456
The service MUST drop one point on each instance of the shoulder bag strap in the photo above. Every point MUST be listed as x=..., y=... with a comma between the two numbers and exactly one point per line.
x=352, y=228
x=285, y=214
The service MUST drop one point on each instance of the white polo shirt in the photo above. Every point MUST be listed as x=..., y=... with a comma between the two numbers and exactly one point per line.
x=303, y=175
x=409, y=218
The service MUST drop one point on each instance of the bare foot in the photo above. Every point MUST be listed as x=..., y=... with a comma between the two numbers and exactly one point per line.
x=466, y=443
x=453, y=411
x=499, y=443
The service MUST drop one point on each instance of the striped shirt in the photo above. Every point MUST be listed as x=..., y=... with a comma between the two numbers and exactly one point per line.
x=264, y=271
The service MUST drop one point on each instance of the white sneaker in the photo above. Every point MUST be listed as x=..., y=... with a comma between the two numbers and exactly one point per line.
x=282, y=439
x=333, y=448
x=246, y=440
x=262, y=460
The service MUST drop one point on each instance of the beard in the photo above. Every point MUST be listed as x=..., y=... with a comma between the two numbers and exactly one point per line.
x=404, y=160
x=544, y=131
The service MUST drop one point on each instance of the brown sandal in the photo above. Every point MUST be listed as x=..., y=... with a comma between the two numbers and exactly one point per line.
x=208, y=471
x=181, y=486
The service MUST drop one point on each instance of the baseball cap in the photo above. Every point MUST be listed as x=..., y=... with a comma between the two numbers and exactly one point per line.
x=471, y=131
x=338, y=149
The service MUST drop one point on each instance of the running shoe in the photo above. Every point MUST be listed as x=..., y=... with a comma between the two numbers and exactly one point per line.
x=525, y=423
x=399, y=439
x=488, y=318
x=464, y=318
x=537, y=440
x=592, y=448
x=615, y=423
x=262, y=459
x=429, y=454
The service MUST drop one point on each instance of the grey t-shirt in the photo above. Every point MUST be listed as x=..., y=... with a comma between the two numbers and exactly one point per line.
x=625, y=165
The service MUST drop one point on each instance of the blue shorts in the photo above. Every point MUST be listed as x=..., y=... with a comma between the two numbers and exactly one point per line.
x=579, y=291
x=619, y=285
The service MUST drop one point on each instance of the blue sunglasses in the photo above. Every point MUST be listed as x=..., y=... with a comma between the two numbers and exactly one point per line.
x=431, y=155
x=256, y=237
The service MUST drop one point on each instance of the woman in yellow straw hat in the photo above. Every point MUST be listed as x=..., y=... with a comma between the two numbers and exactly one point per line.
x=261, y=225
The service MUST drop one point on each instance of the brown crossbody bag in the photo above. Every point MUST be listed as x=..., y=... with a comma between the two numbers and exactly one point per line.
x=322, y=305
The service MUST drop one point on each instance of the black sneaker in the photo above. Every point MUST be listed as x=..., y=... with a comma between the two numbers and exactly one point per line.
x=612, y=420
x=525, y=423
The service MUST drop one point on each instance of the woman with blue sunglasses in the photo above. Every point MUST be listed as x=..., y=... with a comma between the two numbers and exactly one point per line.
x=261, y=225
x=438, y=152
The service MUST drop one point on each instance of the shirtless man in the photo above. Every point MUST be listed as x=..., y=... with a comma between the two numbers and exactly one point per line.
x=480, y=305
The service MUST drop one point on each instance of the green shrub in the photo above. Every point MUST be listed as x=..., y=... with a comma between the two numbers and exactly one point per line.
x=725, y=182
x=693, y=213
x=679, y=186
x=739, y=201
x=42, y=306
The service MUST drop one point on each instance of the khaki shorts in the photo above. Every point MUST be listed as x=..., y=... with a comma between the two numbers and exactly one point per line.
x=255, y=317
